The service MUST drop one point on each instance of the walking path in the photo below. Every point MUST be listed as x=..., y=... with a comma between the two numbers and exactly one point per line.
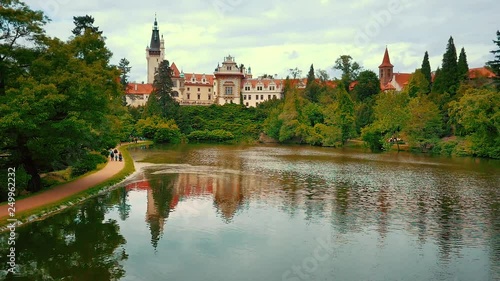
x=65, y=190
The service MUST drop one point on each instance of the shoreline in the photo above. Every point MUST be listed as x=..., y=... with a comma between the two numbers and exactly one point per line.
x=73, y=198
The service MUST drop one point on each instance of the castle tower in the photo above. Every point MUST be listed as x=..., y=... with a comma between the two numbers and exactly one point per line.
x=155, y=52
x=386, y=69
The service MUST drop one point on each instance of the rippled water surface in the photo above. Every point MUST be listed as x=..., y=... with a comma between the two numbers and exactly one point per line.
x=200, y=212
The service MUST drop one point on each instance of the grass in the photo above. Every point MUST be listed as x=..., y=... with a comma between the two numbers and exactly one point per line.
x=52, y=208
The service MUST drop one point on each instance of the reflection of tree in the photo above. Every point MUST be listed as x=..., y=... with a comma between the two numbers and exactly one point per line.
x=162, y=194
x=494, y=217
x=383, y=206
x=341, y=206
x=314, y=207
x=449, y=221
x=123, y=206
x=75, y=245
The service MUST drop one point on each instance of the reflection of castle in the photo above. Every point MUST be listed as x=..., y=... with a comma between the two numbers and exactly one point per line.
x=163, y=196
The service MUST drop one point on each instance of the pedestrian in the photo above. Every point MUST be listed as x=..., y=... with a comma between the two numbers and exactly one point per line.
x=112, y=155
x=116, y=156
x=120, y=157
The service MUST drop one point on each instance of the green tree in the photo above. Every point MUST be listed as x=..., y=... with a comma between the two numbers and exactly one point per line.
x=368, y=85
x=495, y=63
x=83, y=24
x=391, y=115
x=310, y=76
x=19, y=24
x=477, y=114
x=462, y=66
x=62, y=109
x=341, y=114
x=124, y=68
x=424, y=125
x=295, y=72
x=426, y=70
x=350, y=69
x=447, y=81
x=417, y=85
x=163, y=92
x=322, y=75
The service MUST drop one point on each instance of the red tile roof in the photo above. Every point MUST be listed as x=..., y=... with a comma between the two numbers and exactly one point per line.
x=209, y=78
x=402, y=78
x=481, y=72
x=386, y=62
x=139, y=89
x=175, y=70
x=265, y=82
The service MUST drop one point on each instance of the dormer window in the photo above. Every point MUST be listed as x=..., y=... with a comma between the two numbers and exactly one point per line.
x=204, y=80
x=228, y=68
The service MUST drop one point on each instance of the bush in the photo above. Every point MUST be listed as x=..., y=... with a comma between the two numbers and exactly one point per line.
x=373, y=138
x=167, y=133
x=210, y=136
x=21, y=178
x=88, y=163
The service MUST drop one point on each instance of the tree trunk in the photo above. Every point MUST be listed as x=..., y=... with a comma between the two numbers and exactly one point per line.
x=35, y=183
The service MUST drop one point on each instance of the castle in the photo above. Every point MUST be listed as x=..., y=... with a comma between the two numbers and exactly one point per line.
x=230, y=83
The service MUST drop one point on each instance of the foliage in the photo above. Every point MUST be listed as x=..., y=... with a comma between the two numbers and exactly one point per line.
x=462, y=66
x=84, y=24
x=426, y=70
x=210, y=136
x=417, y=85
x=448, y=78
x=340, y=114
x=160, y=102
x=159, y=129
x=22, y=178
x=86, y=164
x=322, y=75
x=124, y=68
x=310, y=76
x=368, y=85
x=373, y=137
x=350, y=69
x=424, y=124
x=19, y=24
x=495, y=63
x=478, y=115
x=295, y=72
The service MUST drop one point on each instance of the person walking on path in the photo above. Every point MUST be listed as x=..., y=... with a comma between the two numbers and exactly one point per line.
x=120, y=157
x=112, y=155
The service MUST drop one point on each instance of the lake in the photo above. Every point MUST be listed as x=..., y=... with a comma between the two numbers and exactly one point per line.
x=269, y=212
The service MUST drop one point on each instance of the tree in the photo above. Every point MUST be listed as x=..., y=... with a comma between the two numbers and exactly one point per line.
x=295, y=72
x=310, y=76
x=84, y=23
x=424, y=125
x=426, y=70
x=350, y=69
x=477, y=113
x=447, y=81
x=368, y=85
x=19, y=24
x=163, y=91
x=417, y=85
x=124, y=68
x=495, y=63
x=60, y=111
x=462, y=66
x=341, y=115
x=322, y=75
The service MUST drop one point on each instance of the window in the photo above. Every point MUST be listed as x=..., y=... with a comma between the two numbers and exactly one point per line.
x=204, y=80
x=174, y=83
x=246, y=104
x=274, y=96
x=189, y=96
x=209, y=90
x=257, y=97
x=247, y=88
x=209, y=97
x=261, y=97
x=228, y=68
x=229, y=90
x=188, y=88
x=271, y=88
x=199, y=96
x=249, y=97
x=198, y=89
x=268, y=97
x=259, y=88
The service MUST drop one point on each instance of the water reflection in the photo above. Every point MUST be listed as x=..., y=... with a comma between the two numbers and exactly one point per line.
x=78, y=244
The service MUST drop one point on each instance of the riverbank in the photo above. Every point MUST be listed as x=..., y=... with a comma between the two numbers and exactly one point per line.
x=56, y=199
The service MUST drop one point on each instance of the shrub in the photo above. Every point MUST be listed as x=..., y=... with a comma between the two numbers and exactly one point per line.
x=88, y=163
x=167, y=133
x=210, y=136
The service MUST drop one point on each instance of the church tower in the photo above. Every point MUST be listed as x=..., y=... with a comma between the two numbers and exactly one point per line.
x=155, y=52
x=386, y=69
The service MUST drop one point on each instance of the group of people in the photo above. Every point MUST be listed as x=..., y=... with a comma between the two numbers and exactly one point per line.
x=115, y=155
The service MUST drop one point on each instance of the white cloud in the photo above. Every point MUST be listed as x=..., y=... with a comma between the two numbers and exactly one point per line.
x=273, y=36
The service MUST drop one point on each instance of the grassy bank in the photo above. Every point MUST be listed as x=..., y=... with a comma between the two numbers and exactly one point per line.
x=52, y=208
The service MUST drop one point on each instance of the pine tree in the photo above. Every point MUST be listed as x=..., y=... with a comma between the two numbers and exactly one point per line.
x=462, y=66
x=495, y=63
x=163, y=89
x=447, y=80
x=310, y=76
x=426, y=69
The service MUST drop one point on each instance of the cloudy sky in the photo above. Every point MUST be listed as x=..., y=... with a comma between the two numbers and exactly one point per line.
x=273, y=36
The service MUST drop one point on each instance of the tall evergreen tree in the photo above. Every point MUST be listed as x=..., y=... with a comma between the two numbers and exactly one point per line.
x=447, y=80
x=426, y=69
x=310, y=76
x=462, y=66
x=495, y=63
x=84, y=23
x=163, y=85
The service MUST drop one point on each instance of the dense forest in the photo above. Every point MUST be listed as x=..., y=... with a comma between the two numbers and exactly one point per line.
x=62, y=105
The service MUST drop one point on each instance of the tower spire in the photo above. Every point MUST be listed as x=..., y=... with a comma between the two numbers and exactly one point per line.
x=386, y=62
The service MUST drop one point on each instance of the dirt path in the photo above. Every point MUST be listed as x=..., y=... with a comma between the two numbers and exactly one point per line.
x=65, y=190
